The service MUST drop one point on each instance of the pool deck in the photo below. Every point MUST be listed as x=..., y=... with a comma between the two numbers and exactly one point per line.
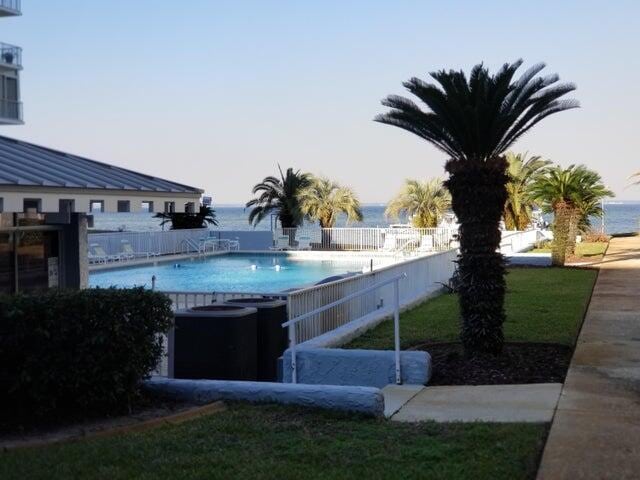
x=595, y=432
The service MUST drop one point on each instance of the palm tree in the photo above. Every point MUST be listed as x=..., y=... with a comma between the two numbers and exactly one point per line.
x=573, y=195
x=280, y=196
x=424, y=202
x=204, y=217
x=324, y=201
x=474, y=121
x=522, y=171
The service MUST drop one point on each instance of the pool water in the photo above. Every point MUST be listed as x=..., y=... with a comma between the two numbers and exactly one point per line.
x=230, y=273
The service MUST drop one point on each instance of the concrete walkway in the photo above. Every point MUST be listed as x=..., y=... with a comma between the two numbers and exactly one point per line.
x=483, y=403
x=595, y=433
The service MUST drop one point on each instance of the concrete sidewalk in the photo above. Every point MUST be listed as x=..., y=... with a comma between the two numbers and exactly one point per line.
x=595, y=433
x=483, y=403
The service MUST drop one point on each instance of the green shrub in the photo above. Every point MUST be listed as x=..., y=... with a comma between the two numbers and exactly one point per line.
x=81, y=352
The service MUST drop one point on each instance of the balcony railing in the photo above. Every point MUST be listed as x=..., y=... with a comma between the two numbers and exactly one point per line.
x=10, y=55
x=14, y=6
x=10, y=110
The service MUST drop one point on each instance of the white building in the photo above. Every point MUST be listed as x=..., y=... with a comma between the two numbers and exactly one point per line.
x=10, y=67
x=45, y=196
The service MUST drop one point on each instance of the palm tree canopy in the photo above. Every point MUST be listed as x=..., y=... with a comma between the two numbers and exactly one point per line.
x=279, y=195
x=522, y=172
x=204, y=217
x=478, y=118
x=425, y=201
x=575, y=186
x=324, y=200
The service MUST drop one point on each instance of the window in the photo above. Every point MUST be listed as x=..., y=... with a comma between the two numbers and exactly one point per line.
x=189, y=207
x=124, y=206
x=66, y=206
x=32, y=205
x=1, y=204
x=147, y=207
x=169, y=207
x=96, y=206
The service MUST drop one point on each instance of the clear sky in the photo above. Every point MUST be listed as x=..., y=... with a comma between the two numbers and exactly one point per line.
x=215, y=93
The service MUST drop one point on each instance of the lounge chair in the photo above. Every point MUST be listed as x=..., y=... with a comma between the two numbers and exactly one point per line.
x=304, y=243
x=128, y=253
x=282, y=243
x=390, y=244
x=426, y=244
x=98, y=255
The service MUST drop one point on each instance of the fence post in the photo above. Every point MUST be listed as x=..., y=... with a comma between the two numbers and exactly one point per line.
x=153, y=283
x=396, y=328
x=292, y=347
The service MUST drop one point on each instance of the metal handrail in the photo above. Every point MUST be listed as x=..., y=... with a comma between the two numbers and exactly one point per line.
x=291, y=324
x=10, y=55
x=11, y=109
x=12, y=5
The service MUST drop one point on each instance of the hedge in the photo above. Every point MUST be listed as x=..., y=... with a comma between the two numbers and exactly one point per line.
x=79, y=352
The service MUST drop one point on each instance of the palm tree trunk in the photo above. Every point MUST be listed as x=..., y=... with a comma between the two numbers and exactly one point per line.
x=478, y=191
x=562, y=213
x=572, y=235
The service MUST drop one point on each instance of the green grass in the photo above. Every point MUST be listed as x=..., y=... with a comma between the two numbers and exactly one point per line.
x=542, y=305
x=583, y=249
x=274, y=442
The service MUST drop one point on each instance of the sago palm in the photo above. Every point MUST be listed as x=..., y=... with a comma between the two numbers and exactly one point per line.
x=204, y=217
x=324, y=200
x=572, y=194
x=279, y=196
x=425, y=202
x=522, y=171
x=474, y=120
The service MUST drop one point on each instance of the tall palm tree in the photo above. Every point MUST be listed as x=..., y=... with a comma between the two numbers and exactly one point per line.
x=424, y=201
x=573, y=195
x=324, y=201
x=474, y=121
x=522, y=171
x=204, y=217
x=280, y=196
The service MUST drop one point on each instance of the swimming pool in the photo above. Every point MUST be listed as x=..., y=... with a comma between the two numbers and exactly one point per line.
x=233, y=272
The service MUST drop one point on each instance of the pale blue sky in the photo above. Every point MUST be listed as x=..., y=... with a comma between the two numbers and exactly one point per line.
x=214, y=93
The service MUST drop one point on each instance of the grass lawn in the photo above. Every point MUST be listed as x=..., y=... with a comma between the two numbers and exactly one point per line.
x=275, y=442
x=583, y=249
x=542, y=304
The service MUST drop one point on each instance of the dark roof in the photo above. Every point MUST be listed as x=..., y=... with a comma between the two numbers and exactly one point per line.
x=26, y=164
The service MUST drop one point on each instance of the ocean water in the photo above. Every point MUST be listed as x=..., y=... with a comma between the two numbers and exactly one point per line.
x=234, y=272
x=619, y=217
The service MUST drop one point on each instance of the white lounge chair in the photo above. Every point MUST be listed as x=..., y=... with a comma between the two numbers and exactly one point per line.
x=282, y=243
x=426, y=244
x=390, y=244
x=98, y=255
x=304, y=243
x=128, y=253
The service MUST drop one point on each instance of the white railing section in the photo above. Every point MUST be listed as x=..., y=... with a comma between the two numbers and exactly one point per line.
x=295, y=321
x=182, y=300
x=11, y=109
x=371, y=239
x=170, y=242
x=519, y=241
x=423, y=277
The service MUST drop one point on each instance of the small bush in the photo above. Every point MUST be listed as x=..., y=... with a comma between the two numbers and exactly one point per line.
x=81, y=352
x=596, y=237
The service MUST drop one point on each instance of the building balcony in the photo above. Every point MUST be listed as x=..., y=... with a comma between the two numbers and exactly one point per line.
x=10, y=56
x=10, y=112
x=10, y=8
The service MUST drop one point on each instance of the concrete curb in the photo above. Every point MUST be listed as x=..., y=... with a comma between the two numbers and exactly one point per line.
x=366, y=400
x=366, y=368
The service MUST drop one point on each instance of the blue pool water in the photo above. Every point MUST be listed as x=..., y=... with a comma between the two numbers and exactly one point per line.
x=269, y=273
